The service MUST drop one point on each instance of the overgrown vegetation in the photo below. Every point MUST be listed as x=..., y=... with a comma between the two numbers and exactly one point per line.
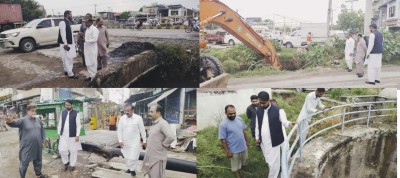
x=177, y=64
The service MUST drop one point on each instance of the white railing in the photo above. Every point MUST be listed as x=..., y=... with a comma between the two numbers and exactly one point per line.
x=288, y=159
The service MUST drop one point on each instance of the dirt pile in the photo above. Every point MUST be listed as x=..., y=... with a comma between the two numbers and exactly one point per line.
x=129, y=49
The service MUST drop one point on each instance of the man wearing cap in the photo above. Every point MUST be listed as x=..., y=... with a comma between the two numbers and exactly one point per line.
x=374, y=55
x=90, y=52
x=251, y=113
x=269, y=133
x=67, y=44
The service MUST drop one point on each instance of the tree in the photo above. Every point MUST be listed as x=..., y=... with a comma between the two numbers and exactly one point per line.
x=30, y=9
x=141, y=9
x=351, y=20
x=126, y=15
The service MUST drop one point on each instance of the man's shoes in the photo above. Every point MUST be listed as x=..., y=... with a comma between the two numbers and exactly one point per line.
x=128, y=171
x=359, y=75
x=66, y=166
x=99, y=68
x=371, y=83
x=377, y=81
x=73, y=77
x=66, y=73
x=72, y=168
x=349, y=70
x=133, y=173
x=88, y=79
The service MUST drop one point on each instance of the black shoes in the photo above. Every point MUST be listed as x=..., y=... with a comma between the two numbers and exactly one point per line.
x=371, y=83
x=88, y=79
x=128, y=171
x=72, y=168
x=377, y=81
x=66, y=166
x=349, y=70
x=133, y=173
x=66, y=73
x=360, y=76
x=73, y=77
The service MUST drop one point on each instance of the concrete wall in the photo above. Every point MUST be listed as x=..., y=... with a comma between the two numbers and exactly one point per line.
x=211, y=104
x=358, y=152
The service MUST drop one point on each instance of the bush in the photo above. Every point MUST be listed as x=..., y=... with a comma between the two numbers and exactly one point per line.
x=391, y=45
x=231, y=66
x=277, y=45
x=336, y=93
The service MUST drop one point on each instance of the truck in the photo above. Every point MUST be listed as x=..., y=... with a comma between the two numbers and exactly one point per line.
x=10, y=16
x=38, y=32
x=298, y=38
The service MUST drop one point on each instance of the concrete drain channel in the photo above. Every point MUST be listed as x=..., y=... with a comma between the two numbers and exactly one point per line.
x=128, y=63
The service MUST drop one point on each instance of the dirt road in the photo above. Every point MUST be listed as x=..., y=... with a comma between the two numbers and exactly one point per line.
x=329, y=78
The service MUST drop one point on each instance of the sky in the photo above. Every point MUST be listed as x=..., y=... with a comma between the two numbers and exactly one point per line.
x=81, y=7
x=116, y=94
x=303, y=10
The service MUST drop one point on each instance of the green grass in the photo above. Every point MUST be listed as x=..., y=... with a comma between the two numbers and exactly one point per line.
x=287, y=54
x=262, y=71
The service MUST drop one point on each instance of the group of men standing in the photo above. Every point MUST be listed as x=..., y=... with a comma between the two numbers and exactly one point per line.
x=357, y=50
x=130, y=132
x=93, y=41
x=268, y=123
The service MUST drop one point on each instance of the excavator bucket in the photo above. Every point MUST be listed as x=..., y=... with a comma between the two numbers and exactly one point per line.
x=274, y=60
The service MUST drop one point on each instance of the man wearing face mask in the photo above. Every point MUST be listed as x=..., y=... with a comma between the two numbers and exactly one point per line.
x=31, y=137
x=251, y=113
x=269, y=133
x=313, y=100
x=233, y=137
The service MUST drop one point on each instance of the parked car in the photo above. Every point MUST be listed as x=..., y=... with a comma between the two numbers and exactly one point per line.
x=216, y=38
x=38, y=32
x=231, y=40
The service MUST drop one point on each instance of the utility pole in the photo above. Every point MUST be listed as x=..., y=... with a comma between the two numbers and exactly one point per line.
x=53, y=12
x=329, y=19
x=95, y=11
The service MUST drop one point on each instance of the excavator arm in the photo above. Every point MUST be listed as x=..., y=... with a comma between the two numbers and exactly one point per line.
x=213, y=11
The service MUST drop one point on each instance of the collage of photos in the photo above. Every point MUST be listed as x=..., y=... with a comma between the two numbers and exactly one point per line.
x=181, y=88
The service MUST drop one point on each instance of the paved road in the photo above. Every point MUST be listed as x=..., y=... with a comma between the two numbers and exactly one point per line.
x=329, y=78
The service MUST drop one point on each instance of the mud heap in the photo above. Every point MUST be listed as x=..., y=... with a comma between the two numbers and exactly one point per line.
x=129, y=49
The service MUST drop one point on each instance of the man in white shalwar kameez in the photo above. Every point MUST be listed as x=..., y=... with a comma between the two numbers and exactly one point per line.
x=374, y=55
x=69, y=127
x=90, y=45
x=269, y=133
x=130, y=129
x=67, y=44
x=349, y=52
x=312, y=101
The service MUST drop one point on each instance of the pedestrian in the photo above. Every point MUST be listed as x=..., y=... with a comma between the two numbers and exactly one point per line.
x=112, y=122
x=360, y=55
x=3, y=122
x=91, y=37
x=102, y=43
x=232, y=133
x=67, y=45
x=31, y=138
x=251, y=113
x=312, y=101
x=130, y=130
x=308, y=38
x=349, y=52
x=269, y=134
x=374, y=55
x=81, y=38
x=69, y=128
x=159, y=141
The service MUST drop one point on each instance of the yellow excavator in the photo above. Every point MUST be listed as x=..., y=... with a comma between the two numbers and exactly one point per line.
x=214, y=11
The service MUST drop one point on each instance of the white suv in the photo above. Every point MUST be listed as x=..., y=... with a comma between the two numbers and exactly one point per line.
x=38, y=32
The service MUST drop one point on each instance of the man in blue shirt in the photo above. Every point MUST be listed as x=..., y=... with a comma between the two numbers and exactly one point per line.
x=233, y=138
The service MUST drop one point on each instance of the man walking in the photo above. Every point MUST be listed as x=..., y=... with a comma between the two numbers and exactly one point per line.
x=103, y=43
x=130, y=129
x=67, y=45
x=312, y=101
x=360, y=55
x=251, y=113
x=69, y=128
x=349, y=52
x=91, y=37
x=269, y=134
x=160, y=138
x=112, y=122
x=232, y=133
x=374, y=55
x=31, y=137
x=81, y=38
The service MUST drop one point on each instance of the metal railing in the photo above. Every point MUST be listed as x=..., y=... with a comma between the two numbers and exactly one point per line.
x=288, y=160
